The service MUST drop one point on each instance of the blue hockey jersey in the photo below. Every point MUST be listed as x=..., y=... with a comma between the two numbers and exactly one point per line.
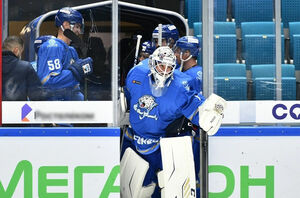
x=54, y=58
x=196, y=75
x=150, y=115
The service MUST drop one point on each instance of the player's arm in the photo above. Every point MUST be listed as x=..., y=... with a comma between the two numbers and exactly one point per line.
x=53, y=69
x=207, y=114
x=81, y=68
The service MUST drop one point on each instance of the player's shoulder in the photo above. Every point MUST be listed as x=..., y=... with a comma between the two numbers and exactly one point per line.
x=196, y=68
x=137, y=75
x=144, y=62
x=54, y=43
x=195, y=72
x=180, y=77
x=72, y=48
x=139, y=70
x=181, y=81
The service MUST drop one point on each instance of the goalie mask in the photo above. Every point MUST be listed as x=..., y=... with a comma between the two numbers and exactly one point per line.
x=162, y=65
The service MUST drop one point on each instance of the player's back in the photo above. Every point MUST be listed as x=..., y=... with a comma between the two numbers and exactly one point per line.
x=54, y=56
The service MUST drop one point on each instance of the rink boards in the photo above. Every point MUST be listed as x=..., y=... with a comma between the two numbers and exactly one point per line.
x=59, y=162
x=84, y=162
x=255, y=162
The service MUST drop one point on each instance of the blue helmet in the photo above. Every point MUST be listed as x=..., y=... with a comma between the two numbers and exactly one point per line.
x=190, y=43
x=147, y=47
x=70, y=15
x=40, y=40
x=169, y=33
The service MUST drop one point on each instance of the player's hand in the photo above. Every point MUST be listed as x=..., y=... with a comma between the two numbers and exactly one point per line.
x=211, y=114
x=82, y=68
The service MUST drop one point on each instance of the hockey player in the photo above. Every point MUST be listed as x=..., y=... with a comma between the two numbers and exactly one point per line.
x=37, y=43
x=169, y=35
x=146, y=51
x=186, y=51
x=158, y=94
x=58, y=66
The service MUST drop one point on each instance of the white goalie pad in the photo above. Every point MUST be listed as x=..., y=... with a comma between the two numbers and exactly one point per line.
x=132, y=173
x=211, y=114
x=177, y=179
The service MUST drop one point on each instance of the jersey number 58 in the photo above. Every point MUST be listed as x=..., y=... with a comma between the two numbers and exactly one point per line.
x=53, y=64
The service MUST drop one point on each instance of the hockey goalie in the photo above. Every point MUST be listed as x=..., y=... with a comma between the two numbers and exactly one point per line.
x=152, y=163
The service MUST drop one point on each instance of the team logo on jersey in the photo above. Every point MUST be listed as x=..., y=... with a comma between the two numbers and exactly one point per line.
x=145, y=104
x=52, y=43
x=186, y=85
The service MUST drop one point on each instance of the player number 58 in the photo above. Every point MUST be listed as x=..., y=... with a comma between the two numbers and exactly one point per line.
x=53, y=64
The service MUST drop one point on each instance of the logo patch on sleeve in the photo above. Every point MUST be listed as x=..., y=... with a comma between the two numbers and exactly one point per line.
x=136, y=82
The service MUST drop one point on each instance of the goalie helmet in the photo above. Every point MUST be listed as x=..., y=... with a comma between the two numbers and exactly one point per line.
x=169, y=33
x=187, y=43
x=70, y=15
x=40, y=40
x=162, y=65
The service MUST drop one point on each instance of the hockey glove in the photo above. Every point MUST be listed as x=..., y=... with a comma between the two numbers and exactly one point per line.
x=211, y=114
x=82, y=68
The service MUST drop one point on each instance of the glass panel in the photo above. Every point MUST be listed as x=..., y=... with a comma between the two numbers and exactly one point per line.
x=244, y=39
x=70, y=67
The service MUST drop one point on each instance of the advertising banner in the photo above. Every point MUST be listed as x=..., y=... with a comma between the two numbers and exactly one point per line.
x=278, y=112
x=254, y=162
x=26, y=112
x=63, y=163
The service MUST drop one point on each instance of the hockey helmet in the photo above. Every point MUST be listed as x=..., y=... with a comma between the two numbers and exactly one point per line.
x=188, y=43
x=169, y=33
x=70, y=15
x=147, y=47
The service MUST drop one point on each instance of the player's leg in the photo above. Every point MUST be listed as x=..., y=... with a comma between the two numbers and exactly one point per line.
x=133, y=170
x=177, y=177
x=135, y=166
x=155, y=165
x=196, y=152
